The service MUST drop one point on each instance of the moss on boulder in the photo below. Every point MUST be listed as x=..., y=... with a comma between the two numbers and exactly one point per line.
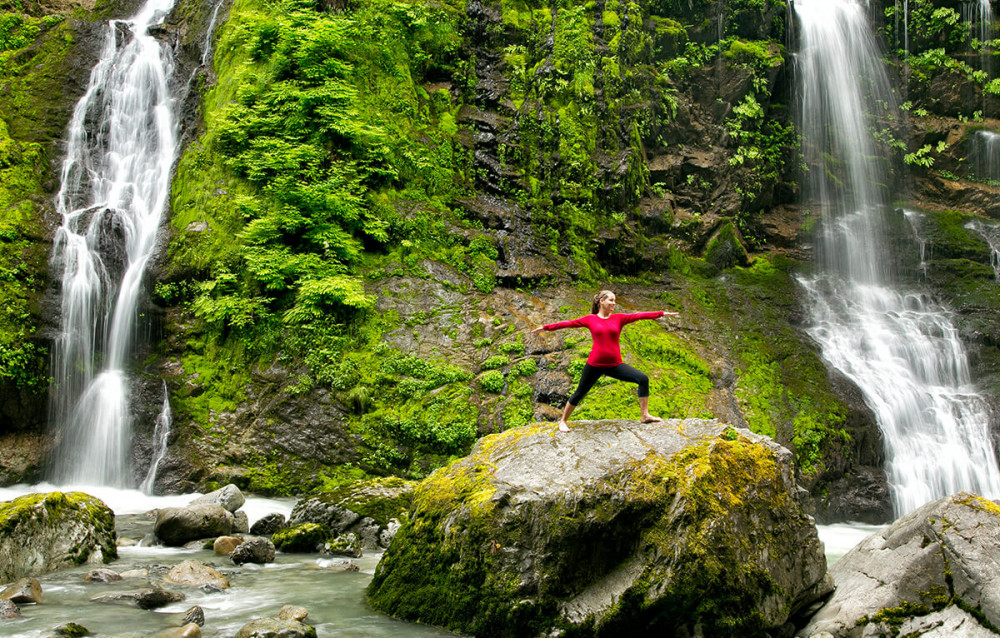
x=43, y=532
x=615, y=528
x=307, y=537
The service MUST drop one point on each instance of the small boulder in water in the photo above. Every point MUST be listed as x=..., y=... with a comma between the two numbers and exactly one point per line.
x=102, y=576
x=143, y=599
x=224, y=545
x=190, y=630
x=9, y=610
x=135, y=573
x=24, y=591
x=229, y=497
x=191, y=573
x=71, y=630
x=253, y=550
x=176, y=526
x=339, y=565
x=291, y=612
x=269, y=627
x=241, y=524
x=344, y=545
x=194, y=615
x=268, y=524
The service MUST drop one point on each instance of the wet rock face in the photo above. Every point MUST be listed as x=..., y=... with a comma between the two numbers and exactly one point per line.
x=44, y=532
x=920, y=573
x=253, y=550
x=365, y=509
x=613, y=529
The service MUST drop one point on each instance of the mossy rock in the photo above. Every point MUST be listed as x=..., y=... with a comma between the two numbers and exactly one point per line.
x=381, y=499
x=307, y=537
x=43, y=532
x=725, y=249
x=617, y=528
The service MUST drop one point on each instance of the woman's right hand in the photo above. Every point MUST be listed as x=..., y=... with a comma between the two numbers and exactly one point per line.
x=538, y=329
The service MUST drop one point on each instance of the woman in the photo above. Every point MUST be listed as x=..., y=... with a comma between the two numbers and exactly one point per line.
x=605, y=354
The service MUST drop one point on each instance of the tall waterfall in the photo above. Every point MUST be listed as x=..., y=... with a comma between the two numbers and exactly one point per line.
x=121, y=145
x=898, y=346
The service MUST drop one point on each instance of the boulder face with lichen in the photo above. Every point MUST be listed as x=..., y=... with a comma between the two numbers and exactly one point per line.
x=931, y=572
x=40, y=533
x=615, y=528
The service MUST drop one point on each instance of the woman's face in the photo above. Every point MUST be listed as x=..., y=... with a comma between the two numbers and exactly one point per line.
x=608, y=304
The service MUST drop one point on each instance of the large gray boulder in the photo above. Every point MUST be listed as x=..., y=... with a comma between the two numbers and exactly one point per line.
x=616, y=528
x=178, y=525
x=43, y=532
x=929, y=573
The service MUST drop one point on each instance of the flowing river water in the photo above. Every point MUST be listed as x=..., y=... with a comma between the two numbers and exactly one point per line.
x=335, y=600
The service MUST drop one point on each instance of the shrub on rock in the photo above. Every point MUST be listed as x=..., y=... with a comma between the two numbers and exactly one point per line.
x=613, y=529
x=43, y=532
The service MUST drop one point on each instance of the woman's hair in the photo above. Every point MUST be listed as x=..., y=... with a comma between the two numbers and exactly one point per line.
x=596, y=305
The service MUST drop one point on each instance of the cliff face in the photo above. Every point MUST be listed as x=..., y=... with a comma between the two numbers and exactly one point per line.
x=380, y=198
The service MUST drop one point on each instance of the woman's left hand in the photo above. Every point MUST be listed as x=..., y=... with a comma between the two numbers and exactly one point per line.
x=670, y=314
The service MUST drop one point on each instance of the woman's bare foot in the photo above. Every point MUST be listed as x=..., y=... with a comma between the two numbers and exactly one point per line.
x=649, y=418
x=563, y=427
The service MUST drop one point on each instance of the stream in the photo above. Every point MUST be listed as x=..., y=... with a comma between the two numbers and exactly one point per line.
x=334, y=599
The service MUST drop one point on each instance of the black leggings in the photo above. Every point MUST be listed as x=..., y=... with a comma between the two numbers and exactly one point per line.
x=622, y=372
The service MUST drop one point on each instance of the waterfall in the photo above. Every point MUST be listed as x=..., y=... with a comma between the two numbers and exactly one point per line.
x=991, y=234
x=898, y=346
x=160, y=435
x=984, y=155
x=115, y=182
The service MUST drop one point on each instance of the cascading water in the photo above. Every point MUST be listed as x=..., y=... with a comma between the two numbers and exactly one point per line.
x=899, y=347
x=984, y=155
x=160, y=435
x=115, y=183
x=990, y=233
x=978, y=14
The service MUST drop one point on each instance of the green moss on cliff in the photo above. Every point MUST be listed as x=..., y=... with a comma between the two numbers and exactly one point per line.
x=32, y=55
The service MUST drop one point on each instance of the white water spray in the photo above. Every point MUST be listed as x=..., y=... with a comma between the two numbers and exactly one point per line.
x=115, y=184
x=899, y=347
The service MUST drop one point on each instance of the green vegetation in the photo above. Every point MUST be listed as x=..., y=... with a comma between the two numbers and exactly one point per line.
x=27, y=74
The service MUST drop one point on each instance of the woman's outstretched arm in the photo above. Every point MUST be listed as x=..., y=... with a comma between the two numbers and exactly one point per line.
x=572, y=323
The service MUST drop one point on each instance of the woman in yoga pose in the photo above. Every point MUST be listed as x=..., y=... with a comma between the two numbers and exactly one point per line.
x=605, y=355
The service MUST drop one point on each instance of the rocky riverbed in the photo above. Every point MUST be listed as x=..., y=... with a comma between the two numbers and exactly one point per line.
x=332, y=595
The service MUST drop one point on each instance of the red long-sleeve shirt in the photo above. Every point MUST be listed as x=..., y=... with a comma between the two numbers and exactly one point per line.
x=606, y=351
